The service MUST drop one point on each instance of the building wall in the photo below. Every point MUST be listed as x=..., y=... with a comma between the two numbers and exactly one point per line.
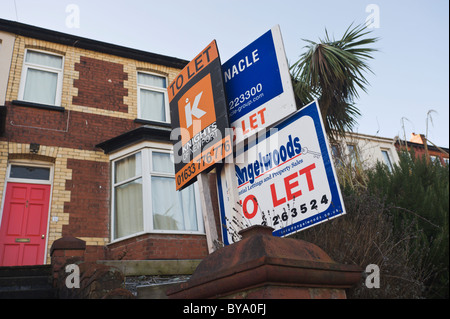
x=158, y=246
x=417, y=142
x=6, y=49
x=432, y=152
x=369, y=149
x=99, y=101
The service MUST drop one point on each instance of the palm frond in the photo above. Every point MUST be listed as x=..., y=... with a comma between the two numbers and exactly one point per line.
x=333, y=71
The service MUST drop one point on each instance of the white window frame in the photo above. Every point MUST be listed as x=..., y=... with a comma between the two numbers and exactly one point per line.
x=389, y=157
x=336, y=154
x=28, y=65
x=27, y=180
x=146, y=148
x=156, y=89
x=352, y=153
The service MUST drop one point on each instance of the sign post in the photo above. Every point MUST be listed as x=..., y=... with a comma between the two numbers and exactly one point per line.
x=286, y=178
x=207, y=208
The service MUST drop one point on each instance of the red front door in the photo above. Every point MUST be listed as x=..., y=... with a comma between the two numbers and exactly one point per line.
x=23, y=225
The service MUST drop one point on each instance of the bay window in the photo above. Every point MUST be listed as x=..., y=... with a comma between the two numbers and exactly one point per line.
x=128, y=196
x=145, y=199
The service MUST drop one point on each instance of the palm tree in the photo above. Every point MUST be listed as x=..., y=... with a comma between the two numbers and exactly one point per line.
x=332, y=72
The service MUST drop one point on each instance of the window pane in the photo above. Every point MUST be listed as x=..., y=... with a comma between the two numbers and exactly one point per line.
x=44, y=59
x=40, y=86
x=336, y=154
x=152, y=105
x=352, y=154
x=30, y=172
x=152, y=80
x=186, y=198
x=162, y=163
x=129, y=218
x=128, y=167
x=387, y=160
x=351, y=150
x=172, y=210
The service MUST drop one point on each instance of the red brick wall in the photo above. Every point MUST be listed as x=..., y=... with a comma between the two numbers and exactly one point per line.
x=159, y=246
x=100, y=84
x=72, y=129
x=94, y=253
x=420, y=152
x=89, y=206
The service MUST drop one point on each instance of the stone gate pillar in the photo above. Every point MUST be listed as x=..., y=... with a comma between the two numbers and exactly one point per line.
x=262, y=266
x=64, y=251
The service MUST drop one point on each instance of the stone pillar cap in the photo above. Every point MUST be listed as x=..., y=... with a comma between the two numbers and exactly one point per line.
x=260, y=258
x=68, y=243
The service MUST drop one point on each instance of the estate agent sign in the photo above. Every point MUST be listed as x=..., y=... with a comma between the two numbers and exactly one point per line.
x=286, y=179
x=258, y=85
x=199, y=117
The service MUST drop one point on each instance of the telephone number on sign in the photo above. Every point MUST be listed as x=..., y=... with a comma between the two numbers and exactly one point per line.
x=288, y=214
x=245, y=96
x=207, y=158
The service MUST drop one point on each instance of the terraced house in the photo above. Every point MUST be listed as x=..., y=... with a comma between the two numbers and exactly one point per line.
x=85, y=151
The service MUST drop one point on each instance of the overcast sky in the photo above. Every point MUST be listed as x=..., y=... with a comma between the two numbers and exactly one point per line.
x=411, y=68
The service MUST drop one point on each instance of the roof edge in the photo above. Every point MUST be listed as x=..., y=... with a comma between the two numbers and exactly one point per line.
x=142, y=133
x=419, y=145
x=89, y=44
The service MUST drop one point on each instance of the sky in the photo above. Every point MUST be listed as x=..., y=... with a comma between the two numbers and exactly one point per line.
x=409, y=85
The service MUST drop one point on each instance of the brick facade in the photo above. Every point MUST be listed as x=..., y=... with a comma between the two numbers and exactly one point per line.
x=88, y=208
x=98, y=102
x=418, y=142
x=156, y=246
x=71, y=129
x=100, y=85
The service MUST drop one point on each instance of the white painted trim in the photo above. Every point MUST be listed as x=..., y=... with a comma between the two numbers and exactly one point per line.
x=32, y=164
x=156, y=89
x=146, y=148
x=31, y=181
x=59, y=72
x=136, y=147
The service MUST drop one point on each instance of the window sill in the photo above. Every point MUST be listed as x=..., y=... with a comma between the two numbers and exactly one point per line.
x=156, y=232
x=38, y=105
x=148, y=122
